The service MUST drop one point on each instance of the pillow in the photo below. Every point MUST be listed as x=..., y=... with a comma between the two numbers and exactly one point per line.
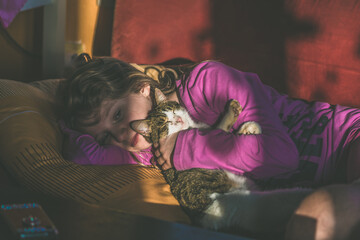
x=30, y=147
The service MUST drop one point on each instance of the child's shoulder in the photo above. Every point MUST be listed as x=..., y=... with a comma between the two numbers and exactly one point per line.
x=211, y=64
x=209, y=67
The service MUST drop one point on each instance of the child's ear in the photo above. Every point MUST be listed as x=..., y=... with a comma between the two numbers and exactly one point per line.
x=159, y=96
x=142, y=127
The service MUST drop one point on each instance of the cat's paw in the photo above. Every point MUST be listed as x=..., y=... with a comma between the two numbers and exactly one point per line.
x=235, y=108
x=231, y=115
x=250, y=127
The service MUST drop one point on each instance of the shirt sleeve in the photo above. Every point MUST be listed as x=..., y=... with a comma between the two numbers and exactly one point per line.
x=205, y=93
x=85, y=150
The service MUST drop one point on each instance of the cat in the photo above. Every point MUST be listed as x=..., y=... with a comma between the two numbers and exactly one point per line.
x=214, y=199
x=169, y=117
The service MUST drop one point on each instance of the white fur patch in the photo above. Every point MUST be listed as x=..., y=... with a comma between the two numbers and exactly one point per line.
x=181, y=120
x=227, y=210
x=242, y=182
x=250, y=127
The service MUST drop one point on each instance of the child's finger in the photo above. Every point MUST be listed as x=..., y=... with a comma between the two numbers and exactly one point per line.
x=165, y=166
x=160, y=161
x=157, y=153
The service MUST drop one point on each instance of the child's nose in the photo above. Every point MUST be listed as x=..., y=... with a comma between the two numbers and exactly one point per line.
x=119, y=134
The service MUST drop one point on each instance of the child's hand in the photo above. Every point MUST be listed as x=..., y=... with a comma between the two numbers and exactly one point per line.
x=164, y=151
x=66, y=130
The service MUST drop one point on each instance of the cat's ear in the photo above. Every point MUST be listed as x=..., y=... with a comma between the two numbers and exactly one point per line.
x=145, y=91
x=142, y=127
x=159, y=96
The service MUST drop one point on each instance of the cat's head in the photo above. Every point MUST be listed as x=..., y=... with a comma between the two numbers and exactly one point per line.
x=163, y=120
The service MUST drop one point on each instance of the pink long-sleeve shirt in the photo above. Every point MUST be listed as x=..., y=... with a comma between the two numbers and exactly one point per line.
x=274, y=154
x=205, y=93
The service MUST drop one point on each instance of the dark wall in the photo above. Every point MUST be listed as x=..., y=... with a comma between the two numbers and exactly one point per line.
x=309, y=49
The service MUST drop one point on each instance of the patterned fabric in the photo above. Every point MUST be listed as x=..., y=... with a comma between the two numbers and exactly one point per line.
x=13, y=88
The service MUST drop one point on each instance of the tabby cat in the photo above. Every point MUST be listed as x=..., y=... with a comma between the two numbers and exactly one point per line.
x=193, y=187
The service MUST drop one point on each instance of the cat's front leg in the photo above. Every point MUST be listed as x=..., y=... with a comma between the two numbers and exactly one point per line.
x=231, y=115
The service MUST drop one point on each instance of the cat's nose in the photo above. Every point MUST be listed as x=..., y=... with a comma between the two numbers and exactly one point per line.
x=178, y=120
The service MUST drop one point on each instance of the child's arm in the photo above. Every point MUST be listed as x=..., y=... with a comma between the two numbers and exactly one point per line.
x=205, y=93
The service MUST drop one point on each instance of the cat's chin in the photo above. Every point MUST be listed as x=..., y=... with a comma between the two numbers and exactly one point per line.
x=177, y=128
x=185, y=125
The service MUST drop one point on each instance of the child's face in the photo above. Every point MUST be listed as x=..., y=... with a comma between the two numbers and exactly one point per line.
x=113, y=126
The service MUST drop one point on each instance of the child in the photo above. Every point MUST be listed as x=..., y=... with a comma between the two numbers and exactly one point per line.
x=104, y=95
x=300, y=141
